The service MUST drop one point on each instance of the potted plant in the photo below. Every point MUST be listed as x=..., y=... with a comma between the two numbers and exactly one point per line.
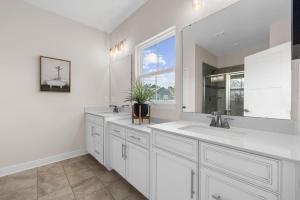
x=141, y=94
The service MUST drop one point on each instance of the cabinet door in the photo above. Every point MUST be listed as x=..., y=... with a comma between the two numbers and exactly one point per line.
x=117, y=155
x=89, y=137
x=174, y=178
x=137, y=167
x=215, y=186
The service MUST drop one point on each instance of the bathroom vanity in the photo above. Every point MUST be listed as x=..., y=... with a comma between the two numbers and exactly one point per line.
x=193, y=161
x=209, y=163
x=95, y=128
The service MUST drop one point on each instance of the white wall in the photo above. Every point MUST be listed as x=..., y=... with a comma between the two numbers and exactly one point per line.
x=156, y=16
x=36, y=124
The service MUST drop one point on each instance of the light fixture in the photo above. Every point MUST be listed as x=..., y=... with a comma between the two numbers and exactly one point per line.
x=197, y=4
x=117, y=49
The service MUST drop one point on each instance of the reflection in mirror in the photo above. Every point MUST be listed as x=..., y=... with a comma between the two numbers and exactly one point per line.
x=238, y=61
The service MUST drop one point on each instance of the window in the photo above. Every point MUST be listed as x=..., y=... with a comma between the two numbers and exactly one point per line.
x=156, y=63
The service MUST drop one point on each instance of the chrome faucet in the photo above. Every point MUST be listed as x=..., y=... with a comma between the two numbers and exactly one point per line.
x=217, y=121
x=116, y=108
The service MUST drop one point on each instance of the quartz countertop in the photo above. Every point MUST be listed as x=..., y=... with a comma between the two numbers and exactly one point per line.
x=107, y=113
x=127, y=123
x=276, y=145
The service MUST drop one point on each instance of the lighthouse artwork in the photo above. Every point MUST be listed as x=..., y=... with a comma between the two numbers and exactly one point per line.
x=55, y=74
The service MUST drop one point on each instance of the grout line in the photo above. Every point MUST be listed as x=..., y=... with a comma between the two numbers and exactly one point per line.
x=63, y=166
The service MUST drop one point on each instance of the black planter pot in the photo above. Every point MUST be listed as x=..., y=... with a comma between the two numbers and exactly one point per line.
x=144, y=109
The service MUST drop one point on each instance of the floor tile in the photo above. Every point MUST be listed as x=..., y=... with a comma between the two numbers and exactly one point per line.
x=51, y=185
x=107, y=178
x=74, y=167
x=79, y=176
x=87, y=187
x=120, y=190
x=62, y=194
x=98, y=169
x=98, y=195
x=50, y=171
x=29, y=193
x=136, y=196
x=18, y=181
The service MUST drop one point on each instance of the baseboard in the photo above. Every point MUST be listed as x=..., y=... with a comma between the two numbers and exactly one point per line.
x=41, y=162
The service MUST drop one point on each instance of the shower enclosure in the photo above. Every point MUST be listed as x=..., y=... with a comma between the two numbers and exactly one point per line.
x=224, y=93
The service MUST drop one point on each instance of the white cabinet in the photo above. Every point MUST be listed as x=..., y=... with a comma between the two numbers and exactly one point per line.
x=216, y=186
x=130, y=160
x=117, y=155
x=174, y=178
x=137, y=167
x=95, y=137
x=89, y=137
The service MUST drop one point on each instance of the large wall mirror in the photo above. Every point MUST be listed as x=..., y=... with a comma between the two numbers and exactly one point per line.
x=238, y=61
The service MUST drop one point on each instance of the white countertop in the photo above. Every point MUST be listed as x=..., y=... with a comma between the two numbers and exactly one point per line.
x=107, y=113
x=275, y=145
x=127, y=123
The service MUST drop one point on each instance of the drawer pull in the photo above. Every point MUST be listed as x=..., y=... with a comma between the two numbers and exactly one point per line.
x=117, y=131
x=216, y=197
x=97, y=152
x=98, y=134
x=136, y=138
x=192, y=184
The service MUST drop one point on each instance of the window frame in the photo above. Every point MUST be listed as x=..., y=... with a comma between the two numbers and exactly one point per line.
x=139, y=57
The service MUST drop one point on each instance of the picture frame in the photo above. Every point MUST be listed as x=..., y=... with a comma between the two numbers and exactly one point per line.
x=55, y=74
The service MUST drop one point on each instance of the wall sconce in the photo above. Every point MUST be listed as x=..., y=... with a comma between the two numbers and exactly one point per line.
x=197, y=4
x=117, y=49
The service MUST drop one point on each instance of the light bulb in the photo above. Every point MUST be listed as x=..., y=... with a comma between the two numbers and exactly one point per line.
x=197, y=4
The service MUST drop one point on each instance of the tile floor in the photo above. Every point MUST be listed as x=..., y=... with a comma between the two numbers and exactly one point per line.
x=80, y=178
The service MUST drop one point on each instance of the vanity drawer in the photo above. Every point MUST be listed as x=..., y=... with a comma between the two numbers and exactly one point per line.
x=138, y=138
x=258, y=170
x=98, y=134
x=94, y=119
x=118, y=131
x=216, y=186
x=180, y=145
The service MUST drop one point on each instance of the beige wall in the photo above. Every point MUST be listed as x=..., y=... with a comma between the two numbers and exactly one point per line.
x=280, y=32
x=156, y=16
x=37, y=124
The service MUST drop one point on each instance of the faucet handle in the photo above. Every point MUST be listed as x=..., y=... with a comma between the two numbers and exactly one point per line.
x=213, y=120
x=225, y=123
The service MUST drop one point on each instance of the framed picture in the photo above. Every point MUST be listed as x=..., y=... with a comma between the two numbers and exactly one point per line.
x=55, y=74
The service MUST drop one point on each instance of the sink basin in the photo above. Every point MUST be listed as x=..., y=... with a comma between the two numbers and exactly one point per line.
x=214, y=131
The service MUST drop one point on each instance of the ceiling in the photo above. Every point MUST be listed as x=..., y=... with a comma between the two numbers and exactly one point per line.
x=244, y=25
x=104, y=15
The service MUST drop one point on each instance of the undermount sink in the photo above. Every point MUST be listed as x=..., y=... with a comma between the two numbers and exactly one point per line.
x=214, y=131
